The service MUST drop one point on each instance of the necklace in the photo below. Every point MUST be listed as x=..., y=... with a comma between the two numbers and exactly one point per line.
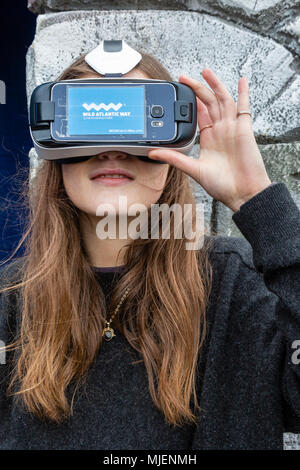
x=108, y=332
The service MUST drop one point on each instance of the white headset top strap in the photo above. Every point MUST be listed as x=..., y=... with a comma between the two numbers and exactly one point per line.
x=113, y=57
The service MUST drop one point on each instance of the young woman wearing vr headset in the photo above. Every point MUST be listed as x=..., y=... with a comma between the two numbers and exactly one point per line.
x=201, y=352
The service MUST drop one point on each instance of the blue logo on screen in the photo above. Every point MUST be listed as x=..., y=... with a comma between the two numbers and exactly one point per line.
x=106, y=110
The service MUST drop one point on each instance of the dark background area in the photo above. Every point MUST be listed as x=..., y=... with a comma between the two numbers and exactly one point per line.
x=16, y=34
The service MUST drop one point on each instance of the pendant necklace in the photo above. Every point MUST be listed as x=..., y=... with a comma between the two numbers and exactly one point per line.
x=108, y=332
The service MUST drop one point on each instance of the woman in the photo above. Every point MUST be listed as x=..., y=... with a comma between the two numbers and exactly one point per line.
x=141, y=343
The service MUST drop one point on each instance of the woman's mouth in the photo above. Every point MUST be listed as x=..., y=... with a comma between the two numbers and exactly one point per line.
x=112, y=180
x=112, y=176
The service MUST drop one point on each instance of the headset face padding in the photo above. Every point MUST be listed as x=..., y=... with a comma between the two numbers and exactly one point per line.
x=83, y=159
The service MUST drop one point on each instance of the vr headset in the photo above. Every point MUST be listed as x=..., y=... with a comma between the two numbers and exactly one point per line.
x=73, y=120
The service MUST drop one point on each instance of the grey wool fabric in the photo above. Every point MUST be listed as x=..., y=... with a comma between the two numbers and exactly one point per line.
x=248, y=380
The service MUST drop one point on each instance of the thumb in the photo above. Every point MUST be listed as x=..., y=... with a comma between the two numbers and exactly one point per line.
x=183, y=162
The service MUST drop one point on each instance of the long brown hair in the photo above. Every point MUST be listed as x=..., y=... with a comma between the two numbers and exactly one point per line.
x=63, y=310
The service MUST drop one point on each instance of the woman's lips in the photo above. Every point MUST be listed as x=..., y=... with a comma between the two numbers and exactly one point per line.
x=115, y=181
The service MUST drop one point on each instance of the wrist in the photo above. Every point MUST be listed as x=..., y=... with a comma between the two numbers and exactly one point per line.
x=235, y=206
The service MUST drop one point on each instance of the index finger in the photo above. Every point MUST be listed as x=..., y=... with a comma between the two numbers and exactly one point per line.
x=206, y=95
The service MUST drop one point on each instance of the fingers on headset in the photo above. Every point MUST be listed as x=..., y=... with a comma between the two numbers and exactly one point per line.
x=206, y=95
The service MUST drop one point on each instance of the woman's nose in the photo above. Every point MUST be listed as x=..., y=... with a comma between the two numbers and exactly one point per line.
x=112, y=155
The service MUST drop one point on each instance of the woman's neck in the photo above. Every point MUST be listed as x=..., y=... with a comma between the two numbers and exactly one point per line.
x=102, y=253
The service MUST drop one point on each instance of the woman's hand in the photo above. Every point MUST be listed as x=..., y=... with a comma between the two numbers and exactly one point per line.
x=230, y=167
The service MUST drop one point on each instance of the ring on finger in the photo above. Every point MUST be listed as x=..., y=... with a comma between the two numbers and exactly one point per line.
x=238, y=114
x=243, y=112
x=204, y=127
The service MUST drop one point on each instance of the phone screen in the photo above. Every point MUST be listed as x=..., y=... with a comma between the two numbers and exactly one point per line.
x=105, y=110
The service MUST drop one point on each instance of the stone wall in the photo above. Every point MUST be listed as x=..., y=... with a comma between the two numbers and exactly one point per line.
x=256, y=38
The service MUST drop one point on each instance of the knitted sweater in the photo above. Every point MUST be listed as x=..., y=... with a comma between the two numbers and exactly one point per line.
x=248, y=382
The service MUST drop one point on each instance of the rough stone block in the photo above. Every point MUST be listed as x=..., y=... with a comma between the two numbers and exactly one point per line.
x=291, y=441
x=282, y=162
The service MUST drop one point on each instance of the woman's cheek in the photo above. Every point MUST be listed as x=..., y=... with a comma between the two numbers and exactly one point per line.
x=72, y=181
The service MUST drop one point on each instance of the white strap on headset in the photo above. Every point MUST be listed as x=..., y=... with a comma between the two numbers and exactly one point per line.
x=113, y=57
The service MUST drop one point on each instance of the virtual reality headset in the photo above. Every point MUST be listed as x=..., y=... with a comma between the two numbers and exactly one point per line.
x=73, y=120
